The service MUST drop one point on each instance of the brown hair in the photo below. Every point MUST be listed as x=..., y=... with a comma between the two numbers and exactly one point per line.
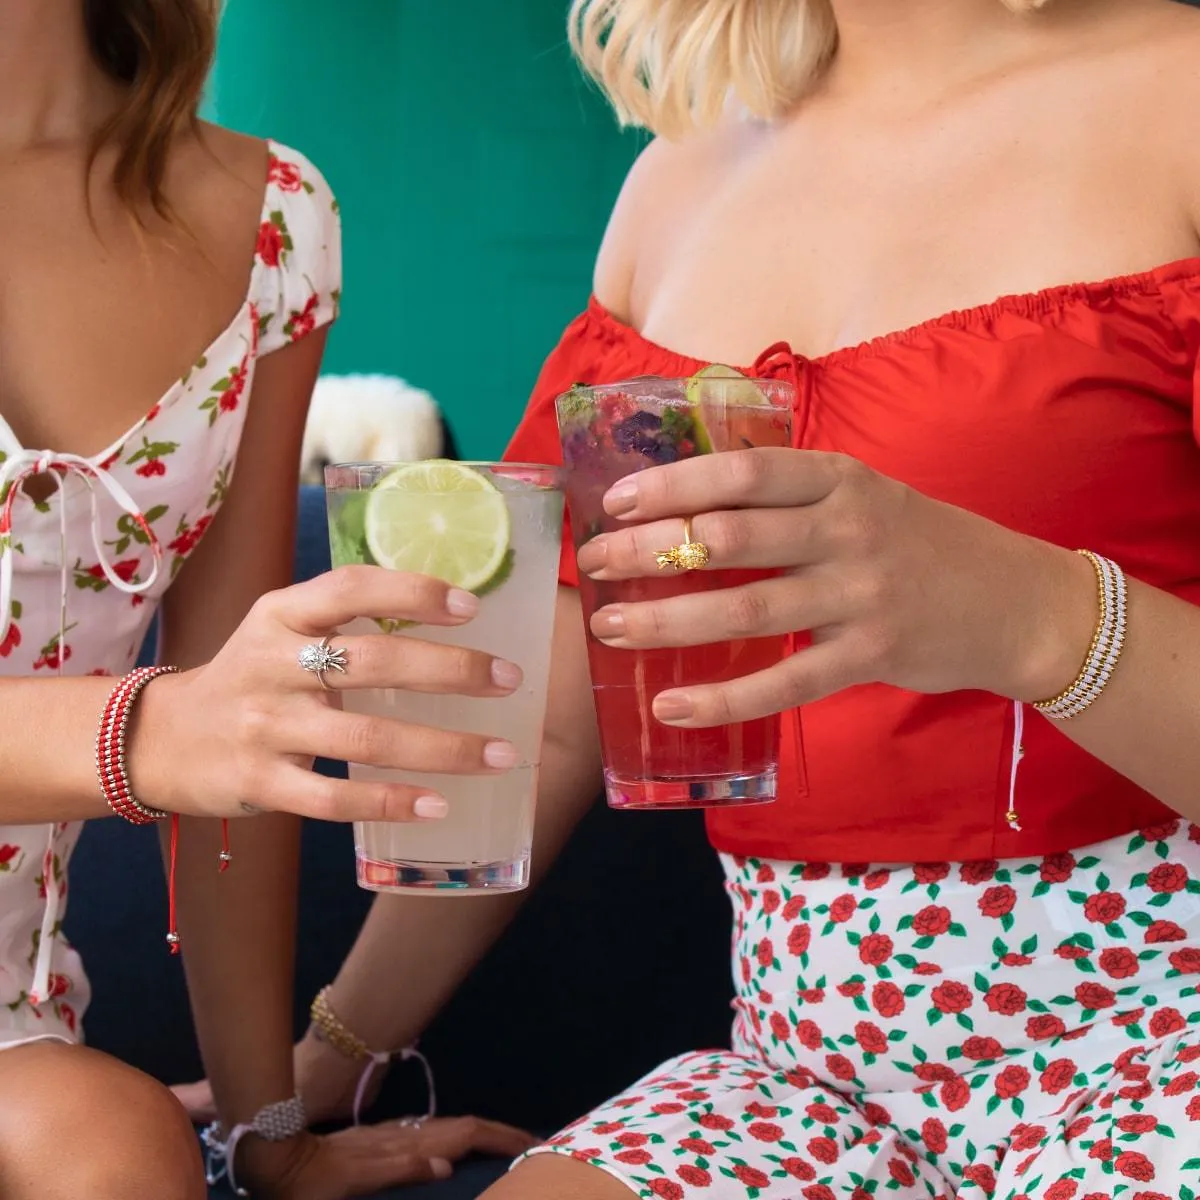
x=162, y=50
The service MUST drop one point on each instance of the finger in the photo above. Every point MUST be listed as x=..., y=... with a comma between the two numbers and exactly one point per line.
x=196, y=1099
x=766, y=608
x=329, y=601
x=387, y=1168
x=397, y=745
x=456, y=1137
x=501, y=1141
x=763, y=478
x=745, y=539
x=390, y=661
x=808, y=675
x=308, y=794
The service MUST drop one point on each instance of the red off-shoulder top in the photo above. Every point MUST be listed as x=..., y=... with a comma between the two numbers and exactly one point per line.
x=1068, y=414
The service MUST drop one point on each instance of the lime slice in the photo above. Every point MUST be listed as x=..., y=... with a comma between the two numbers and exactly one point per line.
x=744, y=394
x=441, y=519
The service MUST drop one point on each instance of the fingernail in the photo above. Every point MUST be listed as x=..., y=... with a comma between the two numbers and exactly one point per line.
x=506, y=675
x=461, y=604
x=621, y=497
x=593, y=556
x=608, y=623
x=441, y=1168
x=502, y=756
x=672, y=706
x=430, y=808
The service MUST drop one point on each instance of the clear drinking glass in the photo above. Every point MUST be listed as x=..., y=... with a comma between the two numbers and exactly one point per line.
x=504, y=521
x=611, y=432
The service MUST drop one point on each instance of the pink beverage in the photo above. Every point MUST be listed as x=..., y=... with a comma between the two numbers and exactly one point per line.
x=607, y=434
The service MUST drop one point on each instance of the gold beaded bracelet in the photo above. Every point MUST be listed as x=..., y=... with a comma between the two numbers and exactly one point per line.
x=330, y=1029
x=1105, y=651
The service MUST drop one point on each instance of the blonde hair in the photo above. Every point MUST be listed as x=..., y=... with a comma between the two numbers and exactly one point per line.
x=672, y=66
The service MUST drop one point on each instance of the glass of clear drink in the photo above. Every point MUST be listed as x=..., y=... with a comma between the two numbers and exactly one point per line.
x=611, y=432
x=493, y=529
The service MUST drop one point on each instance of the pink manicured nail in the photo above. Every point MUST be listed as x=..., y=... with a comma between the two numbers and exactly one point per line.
x=621, y=497
x=501, y=756
x=506, y=675
x=430, y=808
x=461, y=604
x=608, y=623
x=672, y=707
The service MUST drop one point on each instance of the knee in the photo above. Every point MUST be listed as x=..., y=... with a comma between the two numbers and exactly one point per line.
x=97, y=1128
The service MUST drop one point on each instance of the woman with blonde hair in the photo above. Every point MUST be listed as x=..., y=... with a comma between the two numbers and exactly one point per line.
x=966, y=948
x=967, y=939
x=164, y=299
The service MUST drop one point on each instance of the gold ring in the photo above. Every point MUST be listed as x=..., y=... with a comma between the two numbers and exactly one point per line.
x=687, y=556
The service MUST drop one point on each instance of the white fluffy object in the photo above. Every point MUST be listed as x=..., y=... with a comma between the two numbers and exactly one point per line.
x=368, y=418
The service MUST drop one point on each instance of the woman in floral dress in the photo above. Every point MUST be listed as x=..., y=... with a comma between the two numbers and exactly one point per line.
x=145, y=255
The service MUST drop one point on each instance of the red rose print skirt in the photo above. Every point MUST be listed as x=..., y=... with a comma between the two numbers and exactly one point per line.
x=1026, y=1029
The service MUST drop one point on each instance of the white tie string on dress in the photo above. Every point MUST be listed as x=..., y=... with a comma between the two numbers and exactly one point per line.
x=14, y=471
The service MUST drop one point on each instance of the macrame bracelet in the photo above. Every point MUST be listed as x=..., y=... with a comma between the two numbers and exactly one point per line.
x=110, y=747
x=274, y=1123
x=330, y=1028
x=115, y=784
x=1107, y=643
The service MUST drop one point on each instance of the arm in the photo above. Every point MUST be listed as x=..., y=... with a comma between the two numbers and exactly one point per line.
x=413, y=952
x=902, y=590
x=238, y=927
x=48, y=751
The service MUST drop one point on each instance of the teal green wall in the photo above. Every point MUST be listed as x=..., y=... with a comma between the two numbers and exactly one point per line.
x=475, y=170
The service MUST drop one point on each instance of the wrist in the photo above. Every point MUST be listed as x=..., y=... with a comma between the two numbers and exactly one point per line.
x=1054, y=626
x=153, y=745
x=267, y=1169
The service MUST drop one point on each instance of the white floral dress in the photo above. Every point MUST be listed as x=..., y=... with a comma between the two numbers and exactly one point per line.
x=82, y=573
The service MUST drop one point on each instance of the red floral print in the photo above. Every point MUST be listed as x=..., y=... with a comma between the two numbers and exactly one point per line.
x=939, y=990
x=175, y=464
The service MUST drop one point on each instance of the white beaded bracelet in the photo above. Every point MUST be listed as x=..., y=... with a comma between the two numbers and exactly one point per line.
x=1105, y=651
x=275, y=1123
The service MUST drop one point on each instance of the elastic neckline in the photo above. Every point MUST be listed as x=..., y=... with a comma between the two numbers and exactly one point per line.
x=1027, y=304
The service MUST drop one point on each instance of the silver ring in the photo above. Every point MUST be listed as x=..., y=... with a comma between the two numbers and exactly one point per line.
x=319, y=657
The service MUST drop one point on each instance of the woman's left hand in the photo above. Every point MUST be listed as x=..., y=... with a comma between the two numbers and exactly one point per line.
x=370, y=1158
x=894, y=587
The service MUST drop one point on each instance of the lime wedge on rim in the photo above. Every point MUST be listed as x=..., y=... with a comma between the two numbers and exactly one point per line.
x=439, y=518
x=736, y=395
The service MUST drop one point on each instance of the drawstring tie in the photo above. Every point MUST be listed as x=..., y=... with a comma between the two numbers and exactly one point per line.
x=24, y=465
x=380, y=1058
x=781, y=362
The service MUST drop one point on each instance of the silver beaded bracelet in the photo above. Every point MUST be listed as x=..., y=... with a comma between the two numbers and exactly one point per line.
x=1105, y=651
x=275, y=1123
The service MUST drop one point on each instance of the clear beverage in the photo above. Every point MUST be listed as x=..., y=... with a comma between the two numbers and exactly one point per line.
x=607, y=434
x=484, y=843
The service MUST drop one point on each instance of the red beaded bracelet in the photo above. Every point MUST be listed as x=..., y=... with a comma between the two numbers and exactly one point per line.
x=110, y=747
x=115, y=784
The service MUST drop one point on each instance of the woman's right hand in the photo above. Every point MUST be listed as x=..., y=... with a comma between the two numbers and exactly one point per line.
x=239, y=735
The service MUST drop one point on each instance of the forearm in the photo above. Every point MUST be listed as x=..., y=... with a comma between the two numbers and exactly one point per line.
x=238, y=934
x=414, y=951
x=1146, y=724
x=48, y=751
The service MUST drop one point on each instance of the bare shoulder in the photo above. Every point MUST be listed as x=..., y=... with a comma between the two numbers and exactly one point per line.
x=216, y=182
x=661, y=191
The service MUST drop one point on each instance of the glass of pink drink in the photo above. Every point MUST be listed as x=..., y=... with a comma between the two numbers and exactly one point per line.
x=611, y=432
